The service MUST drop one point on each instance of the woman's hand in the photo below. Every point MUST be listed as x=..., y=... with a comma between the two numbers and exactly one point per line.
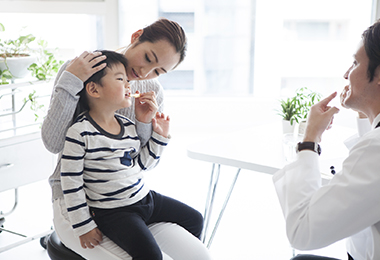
x=83, y=66
x=161, y=124
x=91, y=238
x=146, y=107
x=319, y=119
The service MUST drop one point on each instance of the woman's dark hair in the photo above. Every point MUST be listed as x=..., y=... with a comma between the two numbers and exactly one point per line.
x=371, y=40
x=113, y=58
x=164, y=29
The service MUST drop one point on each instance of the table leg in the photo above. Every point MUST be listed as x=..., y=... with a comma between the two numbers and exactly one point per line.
x=210, y=201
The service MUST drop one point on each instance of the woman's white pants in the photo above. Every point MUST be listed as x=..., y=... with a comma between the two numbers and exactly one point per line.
x=175, y=242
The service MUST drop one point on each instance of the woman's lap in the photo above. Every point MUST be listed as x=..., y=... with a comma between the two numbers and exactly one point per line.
x=174, y=241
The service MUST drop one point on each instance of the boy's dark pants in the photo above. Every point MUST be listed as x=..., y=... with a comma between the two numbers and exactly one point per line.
x=128, y=226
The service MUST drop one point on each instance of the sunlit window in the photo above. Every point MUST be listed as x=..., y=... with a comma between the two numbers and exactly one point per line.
x=244, y=47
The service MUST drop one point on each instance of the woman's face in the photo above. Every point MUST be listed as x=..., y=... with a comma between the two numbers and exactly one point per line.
x=149, y=60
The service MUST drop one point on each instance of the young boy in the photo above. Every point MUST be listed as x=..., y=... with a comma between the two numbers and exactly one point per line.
x=103, y=163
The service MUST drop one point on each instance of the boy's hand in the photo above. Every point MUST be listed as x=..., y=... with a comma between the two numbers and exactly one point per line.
x=91, y=238
x=146, y=107
x=82, y=66
x=161, y=124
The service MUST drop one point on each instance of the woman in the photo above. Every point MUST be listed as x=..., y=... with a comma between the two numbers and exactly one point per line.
x=155, y=50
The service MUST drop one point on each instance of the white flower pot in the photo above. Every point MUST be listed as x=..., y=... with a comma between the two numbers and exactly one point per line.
x=18, y=66
x=287, y=128
x=302, y=127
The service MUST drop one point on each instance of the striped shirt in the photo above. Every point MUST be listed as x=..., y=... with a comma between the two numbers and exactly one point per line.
x=103, y=170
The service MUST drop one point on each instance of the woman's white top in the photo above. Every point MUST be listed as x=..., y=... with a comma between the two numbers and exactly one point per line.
x=347, y=207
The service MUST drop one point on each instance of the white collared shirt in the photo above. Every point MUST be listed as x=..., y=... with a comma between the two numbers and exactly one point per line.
x=347, y=207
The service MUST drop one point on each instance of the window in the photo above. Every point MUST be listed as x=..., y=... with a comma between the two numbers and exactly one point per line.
x=235, y=47
x=71, y=26
x=58, y=30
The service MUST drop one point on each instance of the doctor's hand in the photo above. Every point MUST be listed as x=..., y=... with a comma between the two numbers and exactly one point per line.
x=83, y=66
x=319, y=119
x=91, y=238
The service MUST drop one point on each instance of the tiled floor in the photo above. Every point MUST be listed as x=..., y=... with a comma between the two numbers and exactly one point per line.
x=252, y=226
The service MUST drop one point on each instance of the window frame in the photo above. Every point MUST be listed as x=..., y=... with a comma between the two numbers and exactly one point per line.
x=108, y=9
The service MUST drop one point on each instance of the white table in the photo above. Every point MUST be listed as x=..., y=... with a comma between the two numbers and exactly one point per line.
x=258, y=149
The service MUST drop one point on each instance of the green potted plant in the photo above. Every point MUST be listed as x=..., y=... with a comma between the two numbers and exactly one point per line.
x=296, y=109
x=39, y=61
x=305, y=98
x=42, y=66
x=289, y=114
x=46, y=66
x=15, y=55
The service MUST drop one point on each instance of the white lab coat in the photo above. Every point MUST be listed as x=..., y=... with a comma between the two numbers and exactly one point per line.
x=347, y=207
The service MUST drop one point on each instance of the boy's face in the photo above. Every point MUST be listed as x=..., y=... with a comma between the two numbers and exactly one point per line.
x=115, y=89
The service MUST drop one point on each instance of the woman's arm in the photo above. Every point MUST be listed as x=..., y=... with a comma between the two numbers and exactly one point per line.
x=63, y=103
x=64, y=99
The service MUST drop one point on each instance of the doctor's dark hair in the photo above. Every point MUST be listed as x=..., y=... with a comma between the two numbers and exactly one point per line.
x=113, y=59
x=165, y=29
x=371, y=40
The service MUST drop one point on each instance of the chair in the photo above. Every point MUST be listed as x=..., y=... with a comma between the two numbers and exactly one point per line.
x=56, y=250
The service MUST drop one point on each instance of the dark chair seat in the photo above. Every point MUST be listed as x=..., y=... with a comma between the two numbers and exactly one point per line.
x=58, y=251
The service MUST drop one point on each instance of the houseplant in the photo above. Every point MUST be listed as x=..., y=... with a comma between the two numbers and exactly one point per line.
x=15, y=55
x=42, y=66
x=296, y=109
x=289, y=114
x=46, y=66
x=304, y=99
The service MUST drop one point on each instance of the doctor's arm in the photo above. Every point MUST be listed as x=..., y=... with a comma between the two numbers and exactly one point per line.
x=317, y=216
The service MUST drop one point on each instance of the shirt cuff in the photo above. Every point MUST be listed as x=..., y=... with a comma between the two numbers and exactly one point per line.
x=144, y=131
x=70, y=83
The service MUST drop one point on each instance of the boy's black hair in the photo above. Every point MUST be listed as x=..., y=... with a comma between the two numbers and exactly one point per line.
x=113, y=58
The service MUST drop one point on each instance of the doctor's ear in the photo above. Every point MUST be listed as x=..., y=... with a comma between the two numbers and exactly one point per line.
x=92, y=89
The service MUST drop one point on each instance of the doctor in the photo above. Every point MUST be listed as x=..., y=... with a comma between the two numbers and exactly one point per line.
x=349, y=206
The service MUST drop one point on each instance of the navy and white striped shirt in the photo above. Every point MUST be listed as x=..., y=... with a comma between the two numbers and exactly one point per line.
x=103, y=170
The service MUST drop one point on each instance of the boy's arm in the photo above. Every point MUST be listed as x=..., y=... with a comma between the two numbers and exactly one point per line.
x=72, y=164
x=144, y=130
x=91, y=239
x=145, y=109
x=161, y=124
x=150, y=154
